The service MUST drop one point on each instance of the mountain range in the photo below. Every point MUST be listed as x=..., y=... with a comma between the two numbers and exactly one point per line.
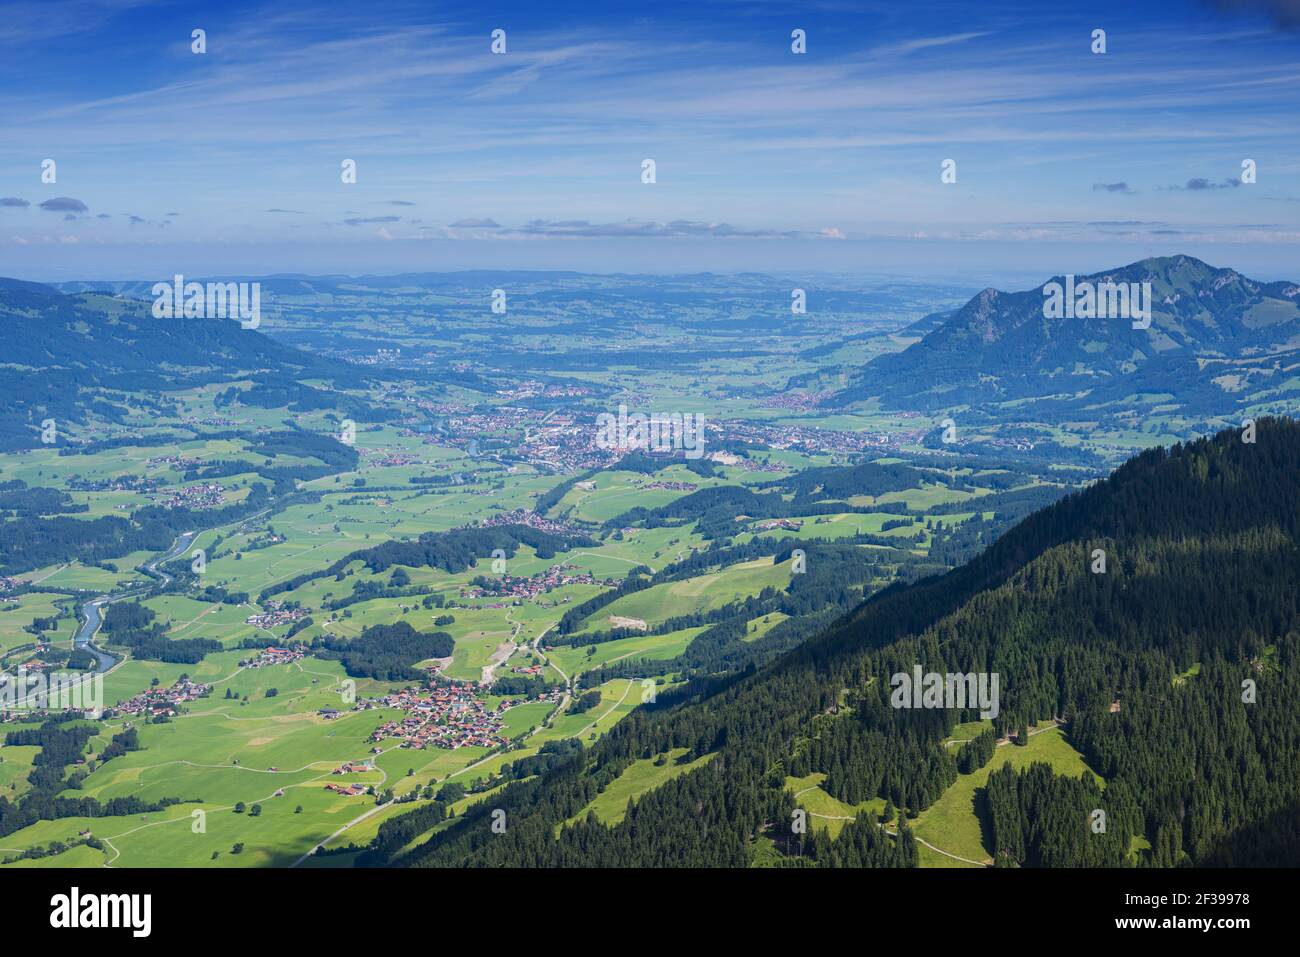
x=67, y=354
x=1214, y=336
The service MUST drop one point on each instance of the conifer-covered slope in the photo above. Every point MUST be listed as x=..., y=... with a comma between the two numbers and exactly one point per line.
x=70, y=356
x=1209, y=334
x=1199, y=599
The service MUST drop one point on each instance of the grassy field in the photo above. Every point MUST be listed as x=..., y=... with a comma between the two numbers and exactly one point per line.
x=954, y=823
x=701, y=593
x=574, y=659
x=825, y=811
x=15, y=765
x=610, y=807
x=616, y=492
x=18, y=614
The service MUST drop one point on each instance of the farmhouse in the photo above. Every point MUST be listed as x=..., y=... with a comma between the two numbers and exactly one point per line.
x=351, y=790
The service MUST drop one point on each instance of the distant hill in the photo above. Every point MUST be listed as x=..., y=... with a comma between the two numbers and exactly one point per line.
x=926, y=324
x=1190, y=710
x=1213, y=333
x=61, y=351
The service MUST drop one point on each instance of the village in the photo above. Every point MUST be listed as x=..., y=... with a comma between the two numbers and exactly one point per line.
x=274, y=656
x=122, y=483
x=671, y=486
x=814, y=441
x=9, y=584
x=517, y=588
x=160, y=701
x=276, y=614
x=447, y=715
x=200, y=498
x=787, y=524
x=531, y=388
x=180, y=463
x=526, y=516
x=442, y=716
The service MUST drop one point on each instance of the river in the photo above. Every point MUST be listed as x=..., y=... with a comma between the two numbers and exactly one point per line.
x=92, y=616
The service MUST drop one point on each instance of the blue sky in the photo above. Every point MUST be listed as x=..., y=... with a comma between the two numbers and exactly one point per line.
x=229, y=162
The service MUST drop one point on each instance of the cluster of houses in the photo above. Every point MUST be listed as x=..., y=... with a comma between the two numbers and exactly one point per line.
x=163, y=701
x=800, y=438
x=380, y=357
x=513, y=587
x=388, y=459
x=798, y=401
x=275, y=614
x=215, y=421
x=526, y=516
x=180, y=463
x=744, y=464
x=200, y=498
x=350, y=767
x=274, y=656
x=530, y=388
x=9, y=584
x=123, y=483
x=789, y=524
x=463, y=426
x=265, y=541
x=672, y=486
x=442, y=716
x=353, y=767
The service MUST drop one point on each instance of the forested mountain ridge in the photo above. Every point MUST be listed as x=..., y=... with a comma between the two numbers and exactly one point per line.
x=66, y=354
x=1003, y=345
x=1194, y=772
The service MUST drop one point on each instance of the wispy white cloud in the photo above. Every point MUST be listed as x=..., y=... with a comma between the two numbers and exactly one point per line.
x=750, y=140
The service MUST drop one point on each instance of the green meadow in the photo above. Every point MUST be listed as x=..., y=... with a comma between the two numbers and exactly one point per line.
x=17, y=614
x=574, y=659
x=610, y=806
x=955, y=822
x=824, y=811
x=700, y=593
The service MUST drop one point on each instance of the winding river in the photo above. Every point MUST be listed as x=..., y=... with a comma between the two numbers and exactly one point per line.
x=92, y=609
x=92, y=616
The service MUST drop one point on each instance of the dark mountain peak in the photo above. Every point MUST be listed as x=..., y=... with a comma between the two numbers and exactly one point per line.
x=1010, y=345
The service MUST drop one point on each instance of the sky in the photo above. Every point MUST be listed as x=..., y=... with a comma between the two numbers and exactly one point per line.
x=229, y=161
